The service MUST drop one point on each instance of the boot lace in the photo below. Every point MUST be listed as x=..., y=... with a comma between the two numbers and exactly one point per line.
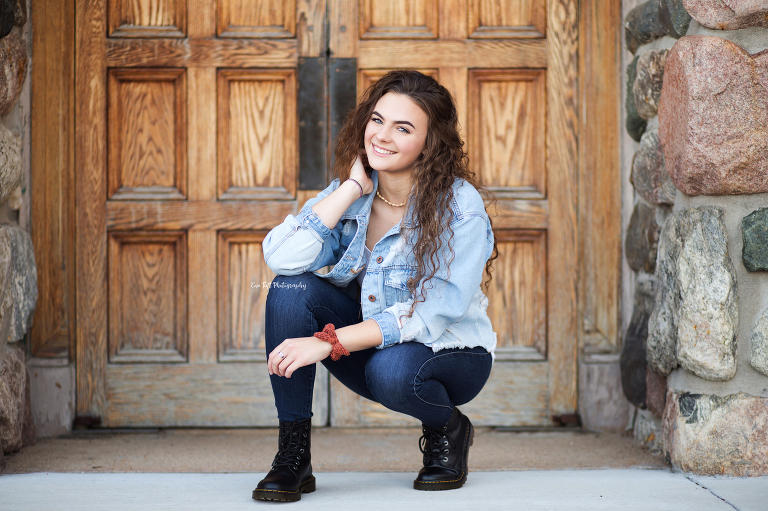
x=435, y=445
x=291, y=448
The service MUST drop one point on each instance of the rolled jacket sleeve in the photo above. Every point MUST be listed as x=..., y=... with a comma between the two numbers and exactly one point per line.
x=449, y=293
x=390, y=330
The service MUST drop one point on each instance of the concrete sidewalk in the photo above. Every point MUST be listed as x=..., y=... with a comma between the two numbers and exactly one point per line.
x=571, y=490
x=358, y=469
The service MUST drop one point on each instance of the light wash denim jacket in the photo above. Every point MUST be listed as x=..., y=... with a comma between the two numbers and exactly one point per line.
x=453, y=314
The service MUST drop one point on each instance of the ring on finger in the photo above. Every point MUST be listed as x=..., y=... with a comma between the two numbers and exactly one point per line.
x=280, y=354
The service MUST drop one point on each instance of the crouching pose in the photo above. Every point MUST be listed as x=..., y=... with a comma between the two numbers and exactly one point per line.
x=401, y=318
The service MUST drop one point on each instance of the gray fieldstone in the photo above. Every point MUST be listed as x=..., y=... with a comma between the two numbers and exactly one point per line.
x=648, y=82
x=654, y=19
x=662, y=324
x=642, y=25
x=649, y=171
x=712, y=435
x=10, y=163
x=674, y=18
x=707, y=321
x=13, y=376
x=758, y=351
x=633, y=351
x=13, y=70
x=645, y=296
x=754, y=232
x=7, y=17
x=713, y=120
x=695, y=320
x=635, y=124
x=728, y=14
x=642, y=241
x=22, y=290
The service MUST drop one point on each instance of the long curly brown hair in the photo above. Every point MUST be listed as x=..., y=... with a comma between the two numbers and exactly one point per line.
x=443, y=160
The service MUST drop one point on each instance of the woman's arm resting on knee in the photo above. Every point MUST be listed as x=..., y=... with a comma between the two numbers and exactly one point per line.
x=304, y=351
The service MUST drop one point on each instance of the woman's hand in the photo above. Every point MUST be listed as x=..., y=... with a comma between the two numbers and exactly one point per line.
x=359, y=174
x=298, y=352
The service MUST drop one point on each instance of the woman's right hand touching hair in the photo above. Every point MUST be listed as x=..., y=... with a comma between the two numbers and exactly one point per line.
x=359, y=174
x=330, y=209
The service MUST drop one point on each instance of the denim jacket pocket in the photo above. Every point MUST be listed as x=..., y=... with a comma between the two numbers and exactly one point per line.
x=396, y=284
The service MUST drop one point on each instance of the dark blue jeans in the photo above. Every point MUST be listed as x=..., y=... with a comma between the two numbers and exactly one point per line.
x=408, y=378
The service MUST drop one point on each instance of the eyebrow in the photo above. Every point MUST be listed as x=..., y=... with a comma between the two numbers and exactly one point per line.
x=396, y=122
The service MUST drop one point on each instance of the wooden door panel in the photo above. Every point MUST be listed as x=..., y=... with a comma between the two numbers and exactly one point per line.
x=148, y=297
x=398, y=19
x=507, y=131
x=147, y=134
x=244, y=281
x=257, y=134
x=147, y=18
x=263, y=19
x=494, y=19
x=517, y=299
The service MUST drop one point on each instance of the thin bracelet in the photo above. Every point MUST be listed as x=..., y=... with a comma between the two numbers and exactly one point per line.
x=358, y=184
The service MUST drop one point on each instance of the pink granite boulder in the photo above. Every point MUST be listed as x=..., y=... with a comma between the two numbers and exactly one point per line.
x=713, y=435
x=655, y=392
x=728, y=14
x=713, y=120
x=13, y=70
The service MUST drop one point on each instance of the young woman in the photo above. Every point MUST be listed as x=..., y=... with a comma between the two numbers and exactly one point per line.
x=401, y=318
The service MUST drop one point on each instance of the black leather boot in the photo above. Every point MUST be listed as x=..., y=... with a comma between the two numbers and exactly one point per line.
x=446, y=451
x=291, y=473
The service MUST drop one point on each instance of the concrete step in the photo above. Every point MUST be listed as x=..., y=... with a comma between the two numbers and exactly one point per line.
x=333, y=450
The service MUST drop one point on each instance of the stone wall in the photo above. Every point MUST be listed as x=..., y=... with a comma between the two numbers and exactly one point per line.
x=695, y=359
x=18, y=274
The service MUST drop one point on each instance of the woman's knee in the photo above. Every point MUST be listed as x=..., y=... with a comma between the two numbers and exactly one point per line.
x=391, y=383
x=290, y=290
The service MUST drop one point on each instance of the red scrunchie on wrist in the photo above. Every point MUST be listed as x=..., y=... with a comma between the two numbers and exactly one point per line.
x=329, y=335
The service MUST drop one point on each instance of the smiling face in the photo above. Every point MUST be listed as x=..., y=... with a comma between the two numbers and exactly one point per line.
x=395, y=134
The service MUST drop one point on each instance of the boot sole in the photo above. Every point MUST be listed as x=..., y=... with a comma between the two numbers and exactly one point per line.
x=285, y=495
x=449, y=485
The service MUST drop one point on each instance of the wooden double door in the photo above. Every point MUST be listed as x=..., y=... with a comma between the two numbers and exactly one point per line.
x=201, y=124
